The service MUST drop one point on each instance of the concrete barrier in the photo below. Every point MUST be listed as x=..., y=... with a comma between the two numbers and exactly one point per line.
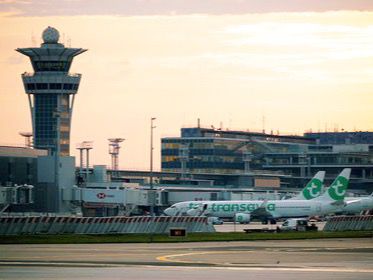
x=100, y=225
x=342, y=223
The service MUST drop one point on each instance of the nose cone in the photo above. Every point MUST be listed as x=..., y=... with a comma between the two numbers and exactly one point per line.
x=169, y=212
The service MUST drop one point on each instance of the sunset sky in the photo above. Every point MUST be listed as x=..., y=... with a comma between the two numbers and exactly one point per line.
x=290, y=65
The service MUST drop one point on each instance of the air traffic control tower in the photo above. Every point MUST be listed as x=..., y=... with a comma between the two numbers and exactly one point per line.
x=51, y=91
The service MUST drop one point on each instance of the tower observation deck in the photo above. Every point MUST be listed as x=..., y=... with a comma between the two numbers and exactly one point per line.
x=51, y=90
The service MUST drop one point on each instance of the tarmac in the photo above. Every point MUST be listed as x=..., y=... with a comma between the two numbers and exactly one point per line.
x=298, y=259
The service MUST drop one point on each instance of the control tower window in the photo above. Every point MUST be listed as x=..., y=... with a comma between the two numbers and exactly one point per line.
x=55, y=86
x=67, y=86
x=51, y=66
x=41, y=86
x=30, y=86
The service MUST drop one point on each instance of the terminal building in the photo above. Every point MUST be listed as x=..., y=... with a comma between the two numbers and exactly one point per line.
x=296, y=158
x=203, y=150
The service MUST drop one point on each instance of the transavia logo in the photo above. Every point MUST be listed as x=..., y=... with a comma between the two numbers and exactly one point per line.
x=313, y=189
x=234, y=207
x=271, y=207
x=338, y=189
x=194, y=205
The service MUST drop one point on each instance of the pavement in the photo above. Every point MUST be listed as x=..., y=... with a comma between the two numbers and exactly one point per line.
x=297, y=259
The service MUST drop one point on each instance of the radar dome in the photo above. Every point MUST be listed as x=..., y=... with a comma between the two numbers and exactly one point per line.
x=50, y=35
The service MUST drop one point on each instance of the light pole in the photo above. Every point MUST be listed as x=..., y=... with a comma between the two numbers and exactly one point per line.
x=114, y=152
x=151, y=166
x=84, y=146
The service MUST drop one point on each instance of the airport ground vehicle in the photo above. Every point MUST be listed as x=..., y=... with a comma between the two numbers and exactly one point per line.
x=297, y=225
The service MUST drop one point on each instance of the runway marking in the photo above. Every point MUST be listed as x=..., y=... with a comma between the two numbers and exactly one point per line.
x=258, y=267
x=167, y=257
x=271, y=268
x=294, y=269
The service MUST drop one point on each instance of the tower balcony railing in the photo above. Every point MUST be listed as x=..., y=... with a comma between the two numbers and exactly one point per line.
x=54, y=82
x=51, y=73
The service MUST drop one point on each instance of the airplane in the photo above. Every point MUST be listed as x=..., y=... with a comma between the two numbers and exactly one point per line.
x=269, y=210
x=353, y=205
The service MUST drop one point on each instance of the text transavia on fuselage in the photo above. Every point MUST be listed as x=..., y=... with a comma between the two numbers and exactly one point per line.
x=244, y=210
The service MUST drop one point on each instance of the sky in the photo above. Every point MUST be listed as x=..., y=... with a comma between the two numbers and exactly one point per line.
x=285, y=66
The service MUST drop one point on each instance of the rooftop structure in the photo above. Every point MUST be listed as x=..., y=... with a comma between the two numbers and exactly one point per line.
x=212, y=132
x=344, y=137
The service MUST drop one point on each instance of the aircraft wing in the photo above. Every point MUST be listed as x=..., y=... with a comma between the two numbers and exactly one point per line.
x=351, y=201
x=261, y=211
x=341, y=202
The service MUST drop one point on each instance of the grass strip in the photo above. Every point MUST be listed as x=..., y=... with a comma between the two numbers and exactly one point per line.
x=191, y=237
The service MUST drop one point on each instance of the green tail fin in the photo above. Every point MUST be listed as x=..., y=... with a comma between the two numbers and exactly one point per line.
x=337, y=190
x=313, y=188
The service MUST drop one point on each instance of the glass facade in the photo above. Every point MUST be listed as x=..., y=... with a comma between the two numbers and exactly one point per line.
x=214, y=154
x=46, y=121
x=358, y=137
x=45, y=66
x=47, y=86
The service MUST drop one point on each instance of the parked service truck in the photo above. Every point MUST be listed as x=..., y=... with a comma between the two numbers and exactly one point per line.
x=299, y=224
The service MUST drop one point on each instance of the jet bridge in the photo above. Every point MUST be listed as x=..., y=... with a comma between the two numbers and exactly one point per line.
x=15, y=195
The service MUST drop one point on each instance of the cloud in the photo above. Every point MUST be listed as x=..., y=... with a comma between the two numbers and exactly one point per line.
x=13, y=60
x=12, y=2
x=177, y=7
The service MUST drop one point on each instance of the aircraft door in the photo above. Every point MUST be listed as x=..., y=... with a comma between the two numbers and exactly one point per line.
x=318, y=208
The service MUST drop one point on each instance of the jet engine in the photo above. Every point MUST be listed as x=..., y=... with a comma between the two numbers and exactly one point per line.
x=242, y=218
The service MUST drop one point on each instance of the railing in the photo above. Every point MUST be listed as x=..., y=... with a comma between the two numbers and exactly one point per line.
x=100, y=225
x=73, y=75
x=238, y=129
x=343, y=223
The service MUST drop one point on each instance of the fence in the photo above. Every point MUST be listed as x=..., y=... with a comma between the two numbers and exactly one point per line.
x=341, y=223
x=100, y=225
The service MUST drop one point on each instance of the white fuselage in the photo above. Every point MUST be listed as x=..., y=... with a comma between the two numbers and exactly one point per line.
x=276, y=208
